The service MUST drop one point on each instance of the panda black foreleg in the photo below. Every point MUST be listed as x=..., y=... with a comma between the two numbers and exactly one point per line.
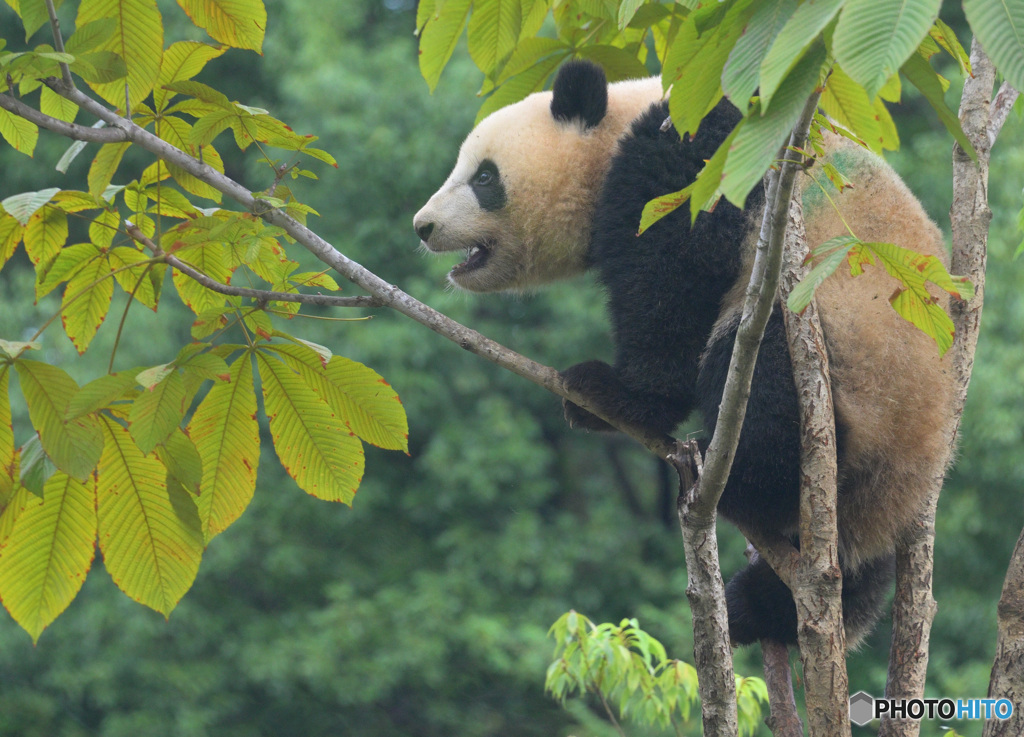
x=602, y=384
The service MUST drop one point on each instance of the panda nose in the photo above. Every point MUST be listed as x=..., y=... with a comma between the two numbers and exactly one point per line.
x=424, y=231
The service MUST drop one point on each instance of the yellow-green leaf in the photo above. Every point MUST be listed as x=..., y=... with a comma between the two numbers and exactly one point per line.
x=138, y=40
x=11, y=232
x=226, y=434
x=86, y=302
x=846, y=101
x=151, y=541
x=800, y=31
x=181, y=60
x=52, y=104
x=67, y=263
x=157, y=412
x=178, y=453
x=358, y=394
x=493, y=32
x=661, y=206
x=104, y=166
x=45, y=234
x=210, y=260
x=439, y=37
x=73, y=444
x=237, y=23
x=100, y=392
x=134, y=281
x=6, y=440
x=313, y=443
x=44, y=560
x=20, y=133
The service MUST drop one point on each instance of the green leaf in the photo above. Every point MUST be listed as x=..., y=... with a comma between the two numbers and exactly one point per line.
x=357, y=394
x=73, y=444
x=101, y=392
x=661, y=206
x=795, y=38
x=86, y=302
x=847, y=102
x=617, y=63
x=151, y=544
x=182, y=60
x=100, y=67
x=237, y=23
x=11, y=233
x=23, y=206
x=946, y=38
x=138, y=40
x=178, y=453
x=134, y=281
x=741, y=73
x=521, y=85
x=157, y=412
x=312, y=442
x=921, y=75
x=35, y=467
x=104, y=166
x=706, y=190
x=45, y=235
x=226, y=434
x=493, y=32
x=439, y=37
x=999, y=26
x=52, y=104
x=44, y=560
x=210, y=260
x=873, y=39
x=7, y=456
x=829, y=255
x=88, y=37
x=757, y=144
x=68, y=262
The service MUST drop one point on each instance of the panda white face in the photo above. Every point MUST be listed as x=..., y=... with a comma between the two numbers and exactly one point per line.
x=520, y=199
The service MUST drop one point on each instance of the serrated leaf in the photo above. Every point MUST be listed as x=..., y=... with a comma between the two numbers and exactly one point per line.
x=73, y=444
x=45, y=235
x=100, y=392
x=763, y=134
x=226, y=434
x=493, y=32
x=210, y=260
x=100, y=67
x=848, y=103
x=742, y=70
x=439, y=37
x=179, y=455
x=89, y=36
x=11, y=232
x=21, y=134
x=157, y=412
x=7, y=456
x=86, y=302
x=138, y=40
x=873, y=39
x=921, y=75
x=312, y=442
x=237, y=23
x=45, y=558
x=358, y=394
x=181, y=60
x=946, y=38
x=150, y=549
x=23, y=206
x=829, y=256
x=793, y=41
x=52, y=104
x=67, y=263
x=104, y=166
x=999, y=26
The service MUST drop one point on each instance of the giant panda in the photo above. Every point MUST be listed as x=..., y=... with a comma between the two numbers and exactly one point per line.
x=555, y=184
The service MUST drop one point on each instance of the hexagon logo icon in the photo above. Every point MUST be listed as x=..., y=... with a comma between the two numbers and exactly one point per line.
x=861, y=708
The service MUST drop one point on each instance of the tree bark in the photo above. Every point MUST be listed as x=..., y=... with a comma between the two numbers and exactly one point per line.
x=1007, y=681
x=818, y=583
x=784, y=719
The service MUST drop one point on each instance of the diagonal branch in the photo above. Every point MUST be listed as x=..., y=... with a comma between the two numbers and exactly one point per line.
x=121, y=129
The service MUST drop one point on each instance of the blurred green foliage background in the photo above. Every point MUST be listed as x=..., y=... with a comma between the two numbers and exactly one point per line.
x=423, y=610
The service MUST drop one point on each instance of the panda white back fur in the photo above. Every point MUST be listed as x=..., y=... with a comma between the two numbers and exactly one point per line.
x=556, y=183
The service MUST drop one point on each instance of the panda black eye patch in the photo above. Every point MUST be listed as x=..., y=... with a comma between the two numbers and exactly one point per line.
x=487, y=186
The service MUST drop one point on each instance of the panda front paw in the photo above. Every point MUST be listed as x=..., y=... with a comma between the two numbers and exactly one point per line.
x=597, y=381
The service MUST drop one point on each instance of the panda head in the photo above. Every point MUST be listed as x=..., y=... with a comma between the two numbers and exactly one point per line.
x=520, y=199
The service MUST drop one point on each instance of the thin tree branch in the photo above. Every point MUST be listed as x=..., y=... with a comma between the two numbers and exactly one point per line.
x=784, y=719
x=914, y=606
x=58, y=43
x=819, y=581
x=698, y=504
x=1000, y=110
x=260, y=295
x=123, y=130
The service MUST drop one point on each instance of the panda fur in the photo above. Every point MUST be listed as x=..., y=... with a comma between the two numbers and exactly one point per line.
x=556, y=183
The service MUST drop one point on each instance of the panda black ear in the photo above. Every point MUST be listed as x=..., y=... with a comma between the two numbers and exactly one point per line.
x=580, y=91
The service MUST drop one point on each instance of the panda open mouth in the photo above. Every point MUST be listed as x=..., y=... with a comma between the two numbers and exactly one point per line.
x=477, y=257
